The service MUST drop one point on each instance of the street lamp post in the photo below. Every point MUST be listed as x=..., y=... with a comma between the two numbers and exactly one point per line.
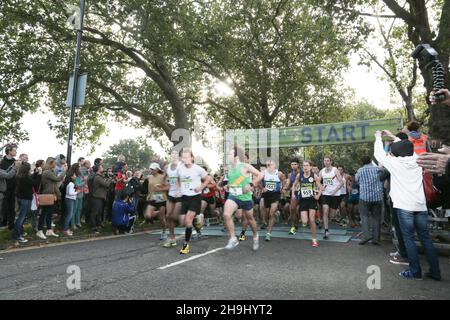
x=76, y=72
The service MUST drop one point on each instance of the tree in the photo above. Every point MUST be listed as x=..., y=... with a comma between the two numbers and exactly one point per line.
x=138, y=155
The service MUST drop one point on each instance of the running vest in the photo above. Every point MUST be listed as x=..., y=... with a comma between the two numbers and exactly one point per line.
x=307, y=186
x=153, y=195
x=272, y=181
x=420, y=145
x=237, y=182
x=330, y=182
x=344, y=186
x=172, y=178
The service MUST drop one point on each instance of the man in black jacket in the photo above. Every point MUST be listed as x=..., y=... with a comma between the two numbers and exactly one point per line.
x=9, y=200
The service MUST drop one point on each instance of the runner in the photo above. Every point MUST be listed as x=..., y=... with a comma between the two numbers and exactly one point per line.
x=240, y=195
x=353, y=200
x=293, y=187
x=332, y=182
x=262, y=207
x=174, y=197
x=343, y=197
x=208, y=202
x=156, y=189
x=190, y=178
x=308, y=196
x=272, y=185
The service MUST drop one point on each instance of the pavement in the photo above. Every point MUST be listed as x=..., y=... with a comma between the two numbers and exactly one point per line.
x=137, y=267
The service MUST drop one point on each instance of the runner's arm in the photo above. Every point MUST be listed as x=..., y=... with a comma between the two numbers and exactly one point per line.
x=319, y=185
x=257, y=175
x=341, y=182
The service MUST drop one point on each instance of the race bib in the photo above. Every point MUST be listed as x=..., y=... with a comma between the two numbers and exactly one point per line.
x=206, y=191
x=307, y=192
x=173, y=181
x=157, y=197
x=328, y=181
x=235, y=191
x=271, y=186
x=187, y=184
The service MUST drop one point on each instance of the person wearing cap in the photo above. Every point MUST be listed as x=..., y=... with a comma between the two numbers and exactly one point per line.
x=156, y=188
x=408, y=199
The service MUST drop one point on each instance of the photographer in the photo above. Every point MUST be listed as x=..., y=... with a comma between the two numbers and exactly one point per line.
x=121, y=211
x=100, y=191
x=5, y=176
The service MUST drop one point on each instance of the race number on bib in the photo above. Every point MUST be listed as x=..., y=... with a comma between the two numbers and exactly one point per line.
x=328, y=181
x=157, y=196
x=206, y=191
x=235, y=191
x=307, y=192
x=270, y=186
x=173, y=181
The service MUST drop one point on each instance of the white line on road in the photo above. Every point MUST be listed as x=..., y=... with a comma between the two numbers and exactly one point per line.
x=189, y=259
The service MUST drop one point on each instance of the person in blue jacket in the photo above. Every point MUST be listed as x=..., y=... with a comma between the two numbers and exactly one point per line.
x=123, y=217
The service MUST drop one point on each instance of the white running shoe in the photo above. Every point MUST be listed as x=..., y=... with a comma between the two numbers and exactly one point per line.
x=41, y=235
x=232, y=243
x=255, y=243
x=51, y=233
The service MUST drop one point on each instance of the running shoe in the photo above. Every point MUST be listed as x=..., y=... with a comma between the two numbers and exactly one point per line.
x=163, y=236
x=268, y=236
x=242, y=237
x=255, y=243
x=185, y=249
x=394, y=254
x=292, y=231
x=232, y=243
x=170, y=243
x=326, y=235
x=304, y=225
x=407, y=274
x=315, y=244
x=399, y=260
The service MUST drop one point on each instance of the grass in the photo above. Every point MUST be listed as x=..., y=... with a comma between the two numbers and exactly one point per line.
x=6, y=241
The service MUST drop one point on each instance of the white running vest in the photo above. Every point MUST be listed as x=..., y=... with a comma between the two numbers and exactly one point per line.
x=172, y=177
x=330, y=182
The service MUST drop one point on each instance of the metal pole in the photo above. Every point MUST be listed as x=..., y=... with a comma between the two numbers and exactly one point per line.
x=76, y=72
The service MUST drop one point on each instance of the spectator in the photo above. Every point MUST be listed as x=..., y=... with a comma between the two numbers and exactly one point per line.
x=25, y=186
x=408, y=199
x=71, y=198
x=100, y=191
x=78, y=183
x=136, y=186
x=50, y=182
x=437, y=163
x=5, y=176
x=419, y=140
x=37, y=176
x=120, y=181
x=121, y=219
x=98, y=161
x=60, y=163
x=23, y=157
x=370, y=200
x=110, y=196
x=9, y=201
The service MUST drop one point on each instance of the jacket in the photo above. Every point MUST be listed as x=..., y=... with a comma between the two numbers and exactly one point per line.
x=5, y=164
x=406, y=179
x=419, y=141
x=50, y=183
x=120, y=213
x=6, y=175
x=100, y=186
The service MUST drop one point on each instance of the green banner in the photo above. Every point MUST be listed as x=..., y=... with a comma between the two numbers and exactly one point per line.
x=314, y=135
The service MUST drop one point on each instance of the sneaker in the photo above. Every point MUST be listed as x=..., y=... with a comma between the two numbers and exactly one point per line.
x=364, y=241
x=394, y=254
x=407, y=274
x=170, y=243
x=232, y=243
x=304, y=225
x=163, y=237
x=242, y=237
x=268, y=236
x=95, y=231
x=75, y=228
x=314, y=244
x=68, y=233
x=255, y=243
x=79, y=226
x=207, y=223
x=293, y=231
x=24, y=234
x=51, y=233
x=41, y=235
x=185, y=249
x=398, y=259
x=22, y=240
x=326, y=235
x=53, y=225
x=430, y=275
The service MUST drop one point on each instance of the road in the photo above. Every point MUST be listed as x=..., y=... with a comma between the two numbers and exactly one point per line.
x=129, y=267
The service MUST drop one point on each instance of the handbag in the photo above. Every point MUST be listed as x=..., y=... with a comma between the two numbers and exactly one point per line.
x=46, y=199
x=35, y=201
x=431, y=193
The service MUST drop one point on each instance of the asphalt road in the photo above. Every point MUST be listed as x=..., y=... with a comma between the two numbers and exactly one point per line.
x=127, y=268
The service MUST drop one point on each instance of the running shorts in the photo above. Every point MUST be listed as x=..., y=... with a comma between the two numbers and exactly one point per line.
x=271, y=197
x=191, y=203
x=331, y=201
x=306, y=204
x=244, y=205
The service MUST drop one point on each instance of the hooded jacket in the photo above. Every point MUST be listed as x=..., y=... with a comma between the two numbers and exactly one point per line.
x=5, y=164
x=6, y=175
x=406, y=179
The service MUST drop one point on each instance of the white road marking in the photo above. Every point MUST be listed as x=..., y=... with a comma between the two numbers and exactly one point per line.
x=189, y=259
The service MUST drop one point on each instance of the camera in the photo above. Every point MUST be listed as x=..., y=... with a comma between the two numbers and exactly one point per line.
x=429, y=55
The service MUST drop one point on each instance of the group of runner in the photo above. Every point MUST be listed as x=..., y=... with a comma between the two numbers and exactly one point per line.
x=183, y=191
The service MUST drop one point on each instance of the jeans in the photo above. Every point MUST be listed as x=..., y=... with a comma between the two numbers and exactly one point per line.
x=97, y=211
x=46, y=214
x=24, y=209
x=370, y=212
x=9, y=208
x=418, y=221
x=398, y=234
x=70, y=206
x=78, y=207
